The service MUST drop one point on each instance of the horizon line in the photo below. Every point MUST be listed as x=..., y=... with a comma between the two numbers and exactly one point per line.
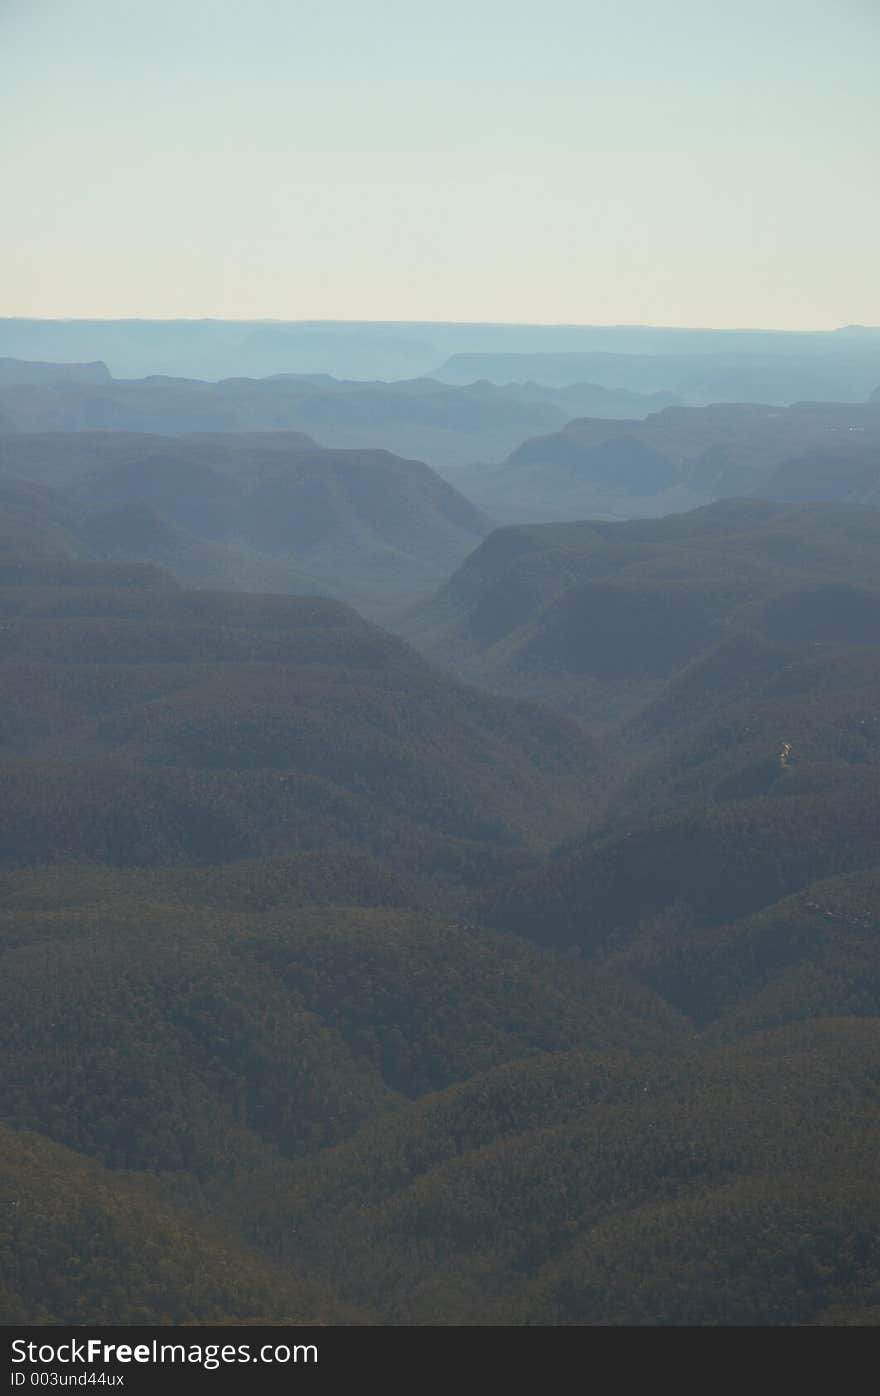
x=476, y=324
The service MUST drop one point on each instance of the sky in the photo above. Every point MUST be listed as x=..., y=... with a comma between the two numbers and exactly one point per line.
x=667, y=162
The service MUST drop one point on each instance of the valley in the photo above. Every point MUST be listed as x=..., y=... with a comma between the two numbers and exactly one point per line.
x=410, y=915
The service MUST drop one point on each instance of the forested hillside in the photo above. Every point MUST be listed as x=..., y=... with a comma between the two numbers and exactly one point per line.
x=598, y=617
x=337, y=991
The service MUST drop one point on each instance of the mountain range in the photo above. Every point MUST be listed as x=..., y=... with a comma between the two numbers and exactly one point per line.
x=771, y=374
x=448, y=426
x=503, y=952
x=216, y=349
x=336, y=990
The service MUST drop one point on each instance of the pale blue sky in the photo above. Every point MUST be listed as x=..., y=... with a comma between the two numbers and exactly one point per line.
x=693, y=162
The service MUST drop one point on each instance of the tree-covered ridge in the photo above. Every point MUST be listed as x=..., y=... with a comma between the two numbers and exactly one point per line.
x=83, y=1245
x=597, y=616
x=150, y=726
x=705, y=1187
x=335, y=989
x=171, y=1036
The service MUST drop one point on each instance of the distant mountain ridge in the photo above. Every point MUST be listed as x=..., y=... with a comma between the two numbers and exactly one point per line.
x=447, y=425
x=683, y=457
x=768, y=375
x=18, y=372
x=394, y=349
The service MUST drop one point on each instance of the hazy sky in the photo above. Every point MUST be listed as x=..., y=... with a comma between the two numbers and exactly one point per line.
x=655, y=161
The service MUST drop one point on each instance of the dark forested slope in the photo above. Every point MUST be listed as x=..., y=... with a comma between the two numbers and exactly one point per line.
x=335, y=990
x=598, y=616
x=146, y=724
